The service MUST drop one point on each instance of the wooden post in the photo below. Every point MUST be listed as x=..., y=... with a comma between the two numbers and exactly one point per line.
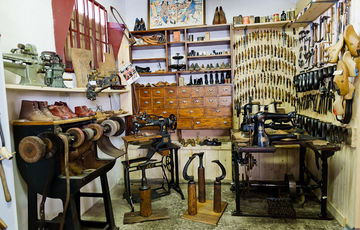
x=217, y=197
x=192, y=201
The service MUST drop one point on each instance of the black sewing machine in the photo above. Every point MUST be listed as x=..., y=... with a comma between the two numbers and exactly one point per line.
x=146, y=120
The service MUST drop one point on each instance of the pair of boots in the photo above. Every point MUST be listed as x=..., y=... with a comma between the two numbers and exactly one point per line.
x=219, y=16
x=36, y=111
x=139, y=25
x=83, y=111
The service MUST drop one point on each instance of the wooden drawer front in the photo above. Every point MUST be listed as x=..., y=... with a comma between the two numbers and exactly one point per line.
x=165, y=112
x=197, y=92
x=197, y=102
x=225, y=101
x=185, y=103
x=146, y=92
x=218, y=112
x=210, y=91
x=145, y=103
x=211, y=102
x=184, y=92
x=170, y=92
x=171, y=103
x=193, y=112
x=184, y=123
x=221, y=123
x=157, y=92
x=224, y=90
x=158, y=103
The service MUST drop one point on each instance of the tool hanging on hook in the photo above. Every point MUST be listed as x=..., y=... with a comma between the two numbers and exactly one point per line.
x=129, y=37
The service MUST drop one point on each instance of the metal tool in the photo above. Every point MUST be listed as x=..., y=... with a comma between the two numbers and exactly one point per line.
x=217, y=188
x=192, y=201
x=201, y=178
x=4, y=154
x=54, y=68
x=128, y=36
x=145, y=193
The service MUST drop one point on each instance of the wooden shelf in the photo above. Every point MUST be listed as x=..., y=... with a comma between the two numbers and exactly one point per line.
x=177, y=43
x=147, y=45
x=156, y=74
x=211, y=42
x=261, y=25
x=314, y=10
x=210, y=56
x=52, y=89
x=205, y=71
x=148, y=59
x=192, y=28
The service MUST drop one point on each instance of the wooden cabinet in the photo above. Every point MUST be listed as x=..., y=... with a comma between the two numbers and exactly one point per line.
x=196, y=107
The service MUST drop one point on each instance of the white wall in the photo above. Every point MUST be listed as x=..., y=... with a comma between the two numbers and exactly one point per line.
x=24, y=21
x=138, y=8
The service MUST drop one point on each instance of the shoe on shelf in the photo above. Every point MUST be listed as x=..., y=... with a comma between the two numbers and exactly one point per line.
x=137, y=23
x=57, y=111
x=192, y=67
x=30, y=111
x=211, y=66
x=228, y=65
x=66, y=109
x=197, y=67
x=43, y=106
x=142, y=24
x=202, y=67
x=207, y=66
x=216, y=16
x=222, y=17
x=81, y=112
x=222, y=66
x=217, y=66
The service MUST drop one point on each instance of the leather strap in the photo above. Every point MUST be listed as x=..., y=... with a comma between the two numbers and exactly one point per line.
x=67, y=175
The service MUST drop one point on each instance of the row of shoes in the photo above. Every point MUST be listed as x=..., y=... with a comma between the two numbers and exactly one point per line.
x=206, y=141
x=159, y=84
x=41, y=111
x=193, y=53
x=219, y=16
x=139, y=25
x=196, y=66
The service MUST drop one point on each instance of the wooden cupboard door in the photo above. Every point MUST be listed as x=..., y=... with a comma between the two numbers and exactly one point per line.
x=218, y=112
x=197, y=91
x=171, y=103
x=211, y=102
x=157, y=92
x=210, y=91
x=184, y=91
x=193, y=112
x=145, y=92
x=184, y=123
x=165, y=112
x=170, y=92
x=224, y=90
x=158, y=103
x=197, y=102
x=225, y=101
x=185, y=103
x=145, y=103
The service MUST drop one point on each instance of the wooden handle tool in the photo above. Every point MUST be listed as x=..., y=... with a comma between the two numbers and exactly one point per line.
x=4, y=184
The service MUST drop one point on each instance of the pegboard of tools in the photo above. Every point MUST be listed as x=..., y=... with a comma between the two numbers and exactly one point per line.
x=265, y=63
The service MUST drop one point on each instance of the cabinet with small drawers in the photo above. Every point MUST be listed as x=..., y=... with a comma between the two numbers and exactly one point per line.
x=196, y=107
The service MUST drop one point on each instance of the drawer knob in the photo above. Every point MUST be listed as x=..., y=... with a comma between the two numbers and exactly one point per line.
x=218, y=111
x=184, y=91
x=225, y=122
x=191, y=111
x=171, y=91
x=211, y=90
x=197, y=90
x=146, y=102
x=164, y=112
x=171, y=102
x=198, y=122
x=146, y=92
x=211, y=100
x=225, y=89
x=197, y=101
x=184, y=102
x=158, y=102
x=158, y=91
x=224, y=100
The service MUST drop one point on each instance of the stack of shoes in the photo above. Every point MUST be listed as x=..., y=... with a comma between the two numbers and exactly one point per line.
x=208, y=142
x=219, y=16
x=62, y=110
x=30, y=111
x=139, y=25
x=83, y=111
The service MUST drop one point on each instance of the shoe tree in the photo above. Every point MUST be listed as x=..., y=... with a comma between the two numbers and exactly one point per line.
x=350, y=94
x=350, y=63
x=222, y=17
x=342, y=79
x=216, y=16
x=333, y=51
x=338, y=107
x=352, y=40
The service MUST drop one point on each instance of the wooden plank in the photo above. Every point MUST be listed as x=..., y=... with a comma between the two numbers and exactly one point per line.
x=59, y=90
x=20, y=122
x=109, y=65
x=205, y=213
x=261, y=25
x=133, y=138
x=81, y=59
x=210, y=56
x=134, y=217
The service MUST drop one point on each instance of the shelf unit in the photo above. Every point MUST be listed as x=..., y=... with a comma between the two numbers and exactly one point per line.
x=169, y=46
x=262, y=25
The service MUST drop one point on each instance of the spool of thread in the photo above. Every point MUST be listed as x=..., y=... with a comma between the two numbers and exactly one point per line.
x=246, y=20
x=252, y=19
x=257, y=19
x=276, y=18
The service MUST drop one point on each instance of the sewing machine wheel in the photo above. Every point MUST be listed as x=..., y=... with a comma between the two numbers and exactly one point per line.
x=79, y=136
x=121, y=125
x=173, y=126
x=168, y=163
x=112, y=127
x=290, y=181
x=53, y=143
x=89, y=133
x=32, y=149
x=98, y=130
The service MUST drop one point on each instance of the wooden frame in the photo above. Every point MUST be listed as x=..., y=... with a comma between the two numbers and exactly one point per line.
x=183, y=24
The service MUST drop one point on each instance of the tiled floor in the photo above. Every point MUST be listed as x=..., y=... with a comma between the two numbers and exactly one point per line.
x=177, y=207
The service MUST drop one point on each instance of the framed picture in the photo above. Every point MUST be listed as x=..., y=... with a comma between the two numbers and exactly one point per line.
x=175, y=13
x=129, y=73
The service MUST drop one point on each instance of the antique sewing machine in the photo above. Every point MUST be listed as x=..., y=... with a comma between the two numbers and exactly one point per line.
x=25, y=62
x=56, y=159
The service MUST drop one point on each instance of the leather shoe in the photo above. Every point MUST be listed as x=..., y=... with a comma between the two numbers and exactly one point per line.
x=57, y=111
x=30, y=111
x=43, y=106
x=65, y=108
x=216, y=16
x=222, y=17
x=79, y=110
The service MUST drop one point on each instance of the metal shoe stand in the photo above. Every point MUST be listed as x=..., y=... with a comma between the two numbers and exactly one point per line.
x=171, y=164
x=36, y=175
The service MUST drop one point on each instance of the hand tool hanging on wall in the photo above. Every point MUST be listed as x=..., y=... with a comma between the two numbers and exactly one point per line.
x=217, y=188
x=4, y=154
x=128, y=36
x=201, y=178
x=192, y=201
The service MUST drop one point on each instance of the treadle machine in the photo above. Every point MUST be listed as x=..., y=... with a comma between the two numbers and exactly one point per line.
x=56, y=159
x=160, y=144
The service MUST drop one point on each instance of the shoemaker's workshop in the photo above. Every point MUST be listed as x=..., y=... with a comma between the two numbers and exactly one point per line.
x=179, y=114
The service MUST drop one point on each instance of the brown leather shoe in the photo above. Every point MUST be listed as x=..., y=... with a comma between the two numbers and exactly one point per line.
x=57, y=111
x=66, y=108
x=92, y=113
x=43, y=106
x=222, y=17
x=216, y=16
x=81, y=112
x=30, y=111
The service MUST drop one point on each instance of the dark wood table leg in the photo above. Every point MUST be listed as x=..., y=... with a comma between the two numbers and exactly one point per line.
x=237, y=211
x=175, y=184
x=324, y=179
x=302, y=164
x=107, y=202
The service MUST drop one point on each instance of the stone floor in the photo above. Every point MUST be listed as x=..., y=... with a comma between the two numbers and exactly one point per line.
x=177, y=207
